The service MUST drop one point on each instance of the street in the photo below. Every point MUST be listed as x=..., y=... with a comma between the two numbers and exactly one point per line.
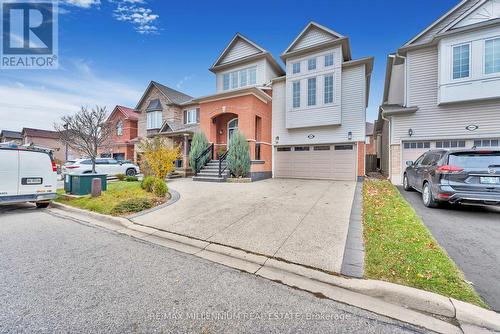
x=58, y=275
x=470, y=235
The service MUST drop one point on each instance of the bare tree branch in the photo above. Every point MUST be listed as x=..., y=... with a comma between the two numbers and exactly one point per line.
x=86, y=131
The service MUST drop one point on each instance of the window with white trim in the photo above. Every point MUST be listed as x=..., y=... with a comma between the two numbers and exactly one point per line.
x=153, y=119
x=311, y=64
x=328, y=89
x=225, y=81
x=311, y=91
x=486, y=143
x=329, y=59
x=119, y=128
x=296, y=67
x=240, y=78
x=296, y=94
x=461, y=61
x=191, y=116
x=492, y=56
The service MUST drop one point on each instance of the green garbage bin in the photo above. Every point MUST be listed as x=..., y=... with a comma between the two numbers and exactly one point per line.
x=67, y=183
x=81, y=184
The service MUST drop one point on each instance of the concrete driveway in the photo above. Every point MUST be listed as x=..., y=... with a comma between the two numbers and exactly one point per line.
x=301, y=221
x=471, y=236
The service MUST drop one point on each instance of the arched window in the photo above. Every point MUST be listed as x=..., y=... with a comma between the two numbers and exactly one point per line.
x=119, y=128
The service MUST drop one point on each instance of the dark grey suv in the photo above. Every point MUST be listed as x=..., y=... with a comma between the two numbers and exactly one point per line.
x=455, y=176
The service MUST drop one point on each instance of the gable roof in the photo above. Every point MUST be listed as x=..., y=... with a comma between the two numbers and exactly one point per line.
x=241, y=49
x=129, y=113
x=170, y=127
x=11, y=134
x=172, y=95
x=427, y=35
x=315, y=35
x=30, y=132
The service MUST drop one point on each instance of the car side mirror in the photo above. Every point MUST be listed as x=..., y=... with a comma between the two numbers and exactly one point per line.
x=121, y=163
x=409, y=163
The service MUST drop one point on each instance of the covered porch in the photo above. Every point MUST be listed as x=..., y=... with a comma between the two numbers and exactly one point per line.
x=181, y=136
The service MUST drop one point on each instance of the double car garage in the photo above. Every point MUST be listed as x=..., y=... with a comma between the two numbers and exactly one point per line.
x=329, y=162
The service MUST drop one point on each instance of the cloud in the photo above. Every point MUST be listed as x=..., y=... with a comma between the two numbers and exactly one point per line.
x=82, y=3
x=181, y=82
x=39, y=100
x=143, y=19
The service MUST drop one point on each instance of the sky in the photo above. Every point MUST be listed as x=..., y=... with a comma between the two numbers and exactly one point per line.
x=109, y=50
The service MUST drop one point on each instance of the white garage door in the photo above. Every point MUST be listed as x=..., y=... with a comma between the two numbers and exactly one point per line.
x=333, y=162
x=412, y=150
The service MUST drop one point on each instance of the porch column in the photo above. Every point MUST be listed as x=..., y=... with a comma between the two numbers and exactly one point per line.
x=185, y=156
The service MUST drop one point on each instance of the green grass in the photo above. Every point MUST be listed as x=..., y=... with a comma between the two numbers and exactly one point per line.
x=116, y=193
x=400, y=249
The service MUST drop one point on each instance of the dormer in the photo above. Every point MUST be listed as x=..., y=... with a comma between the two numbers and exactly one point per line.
x=242, y=64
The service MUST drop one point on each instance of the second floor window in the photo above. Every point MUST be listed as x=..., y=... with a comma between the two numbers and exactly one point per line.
x=154, y=120
x=329, y=59
x=461, y=61
x=240, y=78
x=119, y=128
x=311, y=64
x=296, y=68
x=311, y=91
x=296, y=94
x=191, y=116
x=492, y=56
x=328, y=88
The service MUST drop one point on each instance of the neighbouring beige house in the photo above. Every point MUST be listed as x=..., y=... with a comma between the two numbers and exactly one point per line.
x=50, y=140
x=442, y=88
x=167, y=112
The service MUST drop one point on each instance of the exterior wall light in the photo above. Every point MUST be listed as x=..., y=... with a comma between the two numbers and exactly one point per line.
x=221, y=131
x=277, y=139
x=349, y=135
x=410, y=132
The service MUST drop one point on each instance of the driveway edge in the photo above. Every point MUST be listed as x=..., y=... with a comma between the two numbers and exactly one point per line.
x=421, y=308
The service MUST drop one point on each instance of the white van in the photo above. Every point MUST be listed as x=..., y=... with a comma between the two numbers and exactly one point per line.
x=27, y=175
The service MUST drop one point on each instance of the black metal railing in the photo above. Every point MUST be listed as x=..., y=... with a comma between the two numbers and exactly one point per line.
x=222, y=158
x=203, y=155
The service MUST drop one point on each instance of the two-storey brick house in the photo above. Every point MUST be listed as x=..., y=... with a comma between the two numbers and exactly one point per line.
x=442, y=88
x=124, y=123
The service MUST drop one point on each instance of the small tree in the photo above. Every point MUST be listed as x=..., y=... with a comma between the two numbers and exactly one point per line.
x=159, y=155
x=198, y=145
x=86, y=131
x=238, y=158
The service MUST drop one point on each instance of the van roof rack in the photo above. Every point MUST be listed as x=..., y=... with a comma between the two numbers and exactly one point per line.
x=31, y=147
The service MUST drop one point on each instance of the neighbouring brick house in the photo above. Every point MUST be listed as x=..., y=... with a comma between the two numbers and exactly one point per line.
x=124, y=132
x=47, y=139
x=7, y=136
x=167, y=112
x=371, y=140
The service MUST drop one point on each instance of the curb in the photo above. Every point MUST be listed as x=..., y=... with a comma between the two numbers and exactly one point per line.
x=421, y=308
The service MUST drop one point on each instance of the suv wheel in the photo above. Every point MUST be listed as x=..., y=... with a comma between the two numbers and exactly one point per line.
x=427, y=196
x=130, y=172
x=406, y=184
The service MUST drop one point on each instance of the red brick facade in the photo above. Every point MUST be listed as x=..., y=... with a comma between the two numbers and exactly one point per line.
x=121, y=145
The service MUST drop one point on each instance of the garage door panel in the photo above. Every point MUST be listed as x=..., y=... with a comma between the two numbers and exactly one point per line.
x=316, y=164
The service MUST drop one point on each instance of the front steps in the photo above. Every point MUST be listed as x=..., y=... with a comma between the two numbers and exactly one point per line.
x=210, y=172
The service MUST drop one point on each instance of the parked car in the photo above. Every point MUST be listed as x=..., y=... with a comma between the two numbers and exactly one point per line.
x=108, y=166
x=455, y=176
x=27, y=175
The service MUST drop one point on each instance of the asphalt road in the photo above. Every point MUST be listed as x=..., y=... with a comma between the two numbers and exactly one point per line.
x=471, y=236
x=59, y=276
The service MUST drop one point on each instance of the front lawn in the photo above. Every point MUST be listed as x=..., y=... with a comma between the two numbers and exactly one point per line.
x=400, y=249
x=121, y=198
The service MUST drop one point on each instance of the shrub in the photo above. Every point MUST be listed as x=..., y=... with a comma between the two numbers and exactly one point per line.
x=132, y=205
x=120, y=177
x=131, y=178
x=160, y=187
x=159, y=155
x=238, y=158
x=198, y=145
x=147, y=183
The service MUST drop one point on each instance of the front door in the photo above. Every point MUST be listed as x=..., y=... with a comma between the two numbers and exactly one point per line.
x=232, y=126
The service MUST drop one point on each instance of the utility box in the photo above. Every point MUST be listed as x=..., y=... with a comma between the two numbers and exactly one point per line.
x=67, y=183
x=81, y=184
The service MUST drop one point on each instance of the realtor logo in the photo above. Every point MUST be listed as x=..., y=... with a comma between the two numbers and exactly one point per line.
x=29, y=34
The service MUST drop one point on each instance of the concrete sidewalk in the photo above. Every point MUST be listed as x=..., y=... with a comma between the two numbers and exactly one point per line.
x=300, y=221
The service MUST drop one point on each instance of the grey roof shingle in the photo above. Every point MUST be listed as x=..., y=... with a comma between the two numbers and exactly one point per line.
x=174, y=127
x=11, y=134
x=174, y=95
